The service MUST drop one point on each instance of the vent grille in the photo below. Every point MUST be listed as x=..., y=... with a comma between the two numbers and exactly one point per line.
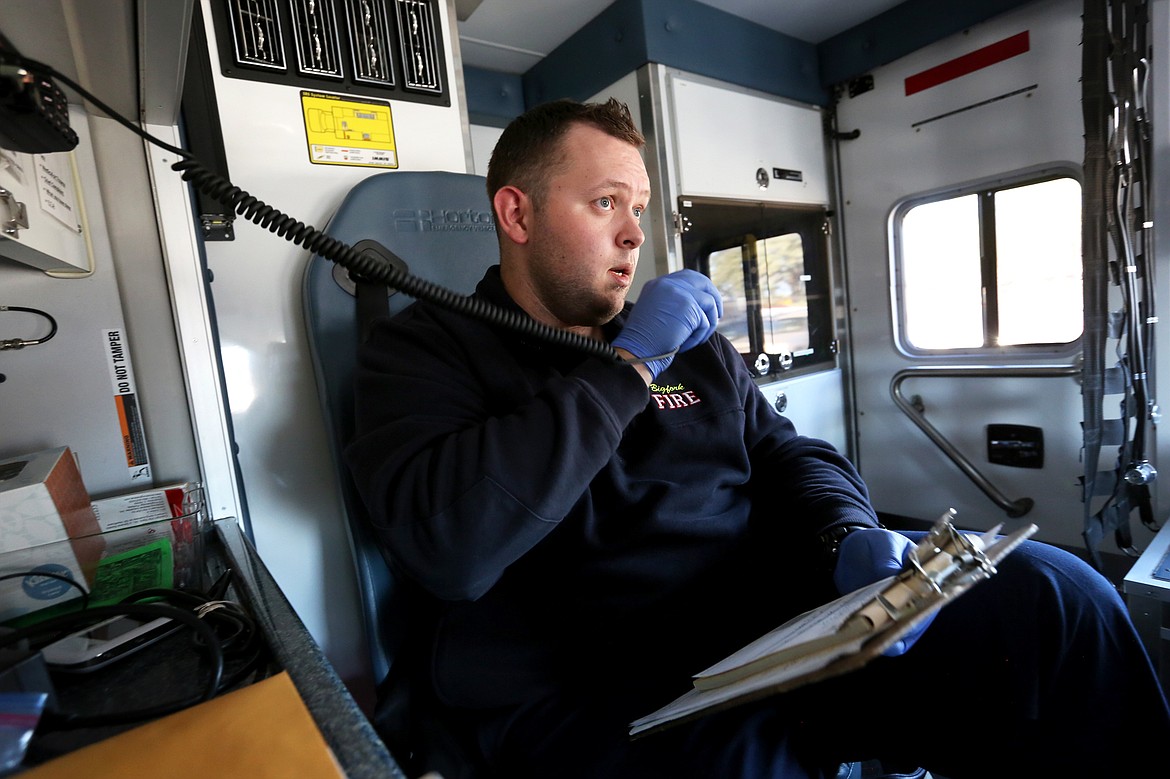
x=369, y=41
x=376, y=48
x=256, y=33
x=418, y=35
x=317, y=39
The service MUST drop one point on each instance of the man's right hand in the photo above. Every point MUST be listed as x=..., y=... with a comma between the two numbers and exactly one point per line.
x=673, y=313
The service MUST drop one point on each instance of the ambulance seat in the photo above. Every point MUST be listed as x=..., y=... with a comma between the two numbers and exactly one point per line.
x=417, y=216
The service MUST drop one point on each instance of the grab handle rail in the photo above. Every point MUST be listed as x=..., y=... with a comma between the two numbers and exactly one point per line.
x=1014, y=508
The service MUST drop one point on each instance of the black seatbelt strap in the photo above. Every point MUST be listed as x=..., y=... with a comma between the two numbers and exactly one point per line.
x=372, y=303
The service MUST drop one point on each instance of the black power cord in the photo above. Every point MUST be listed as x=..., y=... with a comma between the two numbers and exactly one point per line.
x=222, y=628
x=65, y=622
x=235, y=630
x=20, y=343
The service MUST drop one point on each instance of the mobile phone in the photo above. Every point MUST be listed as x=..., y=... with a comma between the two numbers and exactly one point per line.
x=100, y=644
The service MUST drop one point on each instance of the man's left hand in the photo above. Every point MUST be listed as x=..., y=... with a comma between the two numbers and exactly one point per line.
x=869, y=555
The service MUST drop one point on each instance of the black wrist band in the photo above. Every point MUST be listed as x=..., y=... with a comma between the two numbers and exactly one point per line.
x=829, y=543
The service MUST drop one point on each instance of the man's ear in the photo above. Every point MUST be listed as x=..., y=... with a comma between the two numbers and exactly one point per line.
x=513, y=213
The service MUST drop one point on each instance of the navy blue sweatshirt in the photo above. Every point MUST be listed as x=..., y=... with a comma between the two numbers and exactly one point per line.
x=574, y=524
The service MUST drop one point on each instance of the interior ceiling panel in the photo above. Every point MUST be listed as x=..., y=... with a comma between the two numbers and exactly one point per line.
x=511, y=36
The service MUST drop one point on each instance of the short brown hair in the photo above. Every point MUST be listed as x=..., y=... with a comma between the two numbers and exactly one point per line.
x=528, y=152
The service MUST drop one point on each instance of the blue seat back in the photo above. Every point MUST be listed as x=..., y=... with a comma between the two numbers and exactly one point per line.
x=440, y=224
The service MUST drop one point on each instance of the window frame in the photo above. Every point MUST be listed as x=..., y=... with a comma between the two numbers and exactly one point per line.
x=982, y=188
x=810, y=222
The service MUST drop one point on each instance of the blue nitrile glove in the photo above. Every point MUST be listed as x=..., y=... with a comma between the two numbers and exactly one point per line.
x=674, y=313
x=869, y=555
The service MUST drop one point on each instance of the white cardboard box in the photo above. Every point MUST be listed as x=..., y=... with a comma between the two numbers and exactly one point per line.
x=47, y=531
x=42, y=500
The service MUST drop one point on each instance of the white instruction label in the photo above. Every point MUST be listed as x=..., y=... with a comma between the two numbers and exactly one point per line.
x=126, y=402
x=55, y=188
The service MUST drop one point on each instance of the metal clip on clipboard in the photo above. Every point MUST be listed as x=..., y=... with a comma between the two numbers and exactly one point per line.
x=943, y=564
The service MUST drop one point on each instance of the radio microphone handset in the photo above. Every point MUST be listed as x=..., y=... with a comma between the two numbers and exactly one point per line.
x=34, y=114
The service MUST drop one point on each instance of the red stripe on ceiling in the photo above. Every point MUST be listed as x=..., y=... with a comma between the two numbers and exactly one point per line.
x=968, y=63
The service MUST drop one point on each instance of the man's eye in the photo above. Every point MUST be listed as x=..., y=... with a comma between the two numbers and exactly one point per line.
x=605, y=202
x=638, y=212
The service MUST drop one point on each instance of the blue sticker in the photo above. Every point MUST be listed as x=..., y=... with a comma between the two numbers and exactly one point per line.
x=47, y=587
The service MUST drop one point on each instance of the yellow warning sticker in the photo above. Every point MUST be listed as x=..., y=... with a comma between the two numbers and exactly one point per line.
x=348, y=131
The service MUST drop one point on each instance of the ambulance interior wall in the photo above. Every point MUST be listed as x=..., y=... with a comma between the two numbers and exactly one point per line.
x=62, y=392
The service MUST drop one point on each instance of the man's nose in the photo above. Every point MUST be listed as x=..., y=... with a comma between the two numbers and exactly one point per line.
x=631, y=235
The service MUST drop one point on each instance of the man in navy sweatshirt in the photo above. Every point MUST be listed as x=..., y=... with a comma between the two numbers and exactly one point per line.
x=584, y=533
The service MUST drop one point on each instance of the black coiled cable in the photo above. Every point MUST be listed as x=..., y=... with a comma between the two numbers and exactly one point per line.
x=373, y=267
x=366, y=265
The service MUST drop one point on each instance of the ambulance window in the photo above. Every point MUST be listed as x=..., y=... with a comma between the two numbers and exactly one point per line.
x=777, y=265
x=770, y=264
x=990, y=269
x=727, y=273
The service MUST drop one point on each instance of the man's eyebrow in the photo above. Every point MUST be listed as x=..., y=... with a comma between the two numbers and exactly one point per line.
x=622, y=185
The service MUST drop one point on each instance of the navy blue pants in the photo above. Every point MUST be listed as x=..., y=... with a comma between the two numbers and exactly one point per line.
x=1037, y=671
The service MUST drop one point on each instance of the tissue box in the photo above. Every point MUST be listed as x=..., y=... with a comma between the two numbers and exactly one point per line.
x=48, y=531
x=43, y=500
x=34, y=577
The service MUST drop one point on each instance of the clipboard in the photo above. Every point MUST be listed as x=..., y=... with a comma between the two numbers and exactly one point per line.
x=845, y=634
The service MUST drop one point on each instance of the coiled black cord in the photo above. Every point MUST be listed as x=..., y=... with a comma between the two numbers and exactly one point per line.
x=374, y=267
x=366, y=265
